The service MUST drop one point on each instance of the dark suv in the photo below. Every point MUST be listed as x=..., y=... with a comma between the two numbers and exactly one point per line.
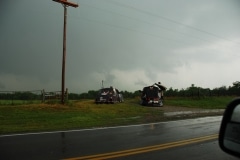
x=152, y=95
x=109, y=95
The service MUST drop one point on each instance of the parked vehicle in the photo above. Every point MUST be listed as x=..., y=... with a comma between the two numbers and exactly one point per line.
x=109, y=95
x=152, y=95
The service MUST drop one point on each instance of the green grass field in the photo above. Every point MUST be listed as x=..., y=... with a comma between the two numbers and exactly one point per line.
x=86, y=114
x=205, y=103
x=18, y=102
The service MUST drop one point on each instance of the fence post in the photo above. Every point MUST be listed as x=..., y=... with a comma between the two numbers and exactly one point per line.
x=12, y=96
x=43, y=95
x=66, y=94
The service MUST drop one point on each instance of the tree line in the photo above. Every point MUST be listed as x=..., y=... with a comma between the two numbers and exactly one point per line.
x=192, y=91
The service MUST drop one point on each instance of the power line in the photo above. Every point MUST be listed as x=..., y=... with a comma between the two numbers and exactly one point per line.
x=132, y=30
x=159, y=26
x=139, y=31
x=170, y=20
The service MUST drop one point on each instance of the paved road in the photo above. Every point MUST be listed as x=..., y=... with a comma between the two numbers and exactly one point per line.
x=192, y=139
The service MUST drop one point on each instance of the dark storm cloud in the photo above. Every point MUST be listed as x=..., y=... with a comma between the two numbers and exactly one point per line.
x=125, y=43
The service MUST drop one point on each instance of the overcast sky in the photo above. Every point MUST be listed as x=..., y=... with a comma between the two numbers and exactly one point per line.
x=126, y=43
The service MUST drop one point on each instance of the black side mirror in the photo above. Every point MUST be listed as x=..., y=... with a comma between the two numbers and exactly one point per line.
x=229, y=135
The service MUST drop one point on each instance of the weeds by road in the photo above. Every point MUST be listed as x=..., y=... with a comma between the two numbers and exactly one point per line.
x=87, y=114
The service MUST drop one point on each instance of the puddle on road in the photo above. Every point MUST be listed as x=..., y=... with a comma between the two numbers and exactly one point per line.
x=193, y=112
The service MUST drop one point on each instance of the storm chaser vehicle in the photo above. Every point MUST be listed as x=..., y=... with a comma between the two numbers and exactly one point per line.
x=153, y=95
x=109, y=95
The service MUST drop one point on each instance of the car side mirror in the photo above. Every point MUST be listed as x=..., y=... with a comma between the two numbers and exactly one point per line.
x=229, y=135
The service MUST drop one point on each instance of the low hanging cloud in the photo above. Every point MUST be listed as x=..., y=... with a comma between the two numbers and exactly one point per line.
x=126, y=44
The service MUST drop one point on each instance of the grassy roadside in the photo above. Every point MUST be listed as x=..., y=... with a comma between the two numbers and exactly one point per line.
x=86, y=114
x=75, y=115
x=205, y=103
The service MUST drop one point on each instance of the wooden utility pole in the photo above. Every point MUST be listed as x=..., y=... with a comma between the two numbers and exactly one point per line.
x=65, y=4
